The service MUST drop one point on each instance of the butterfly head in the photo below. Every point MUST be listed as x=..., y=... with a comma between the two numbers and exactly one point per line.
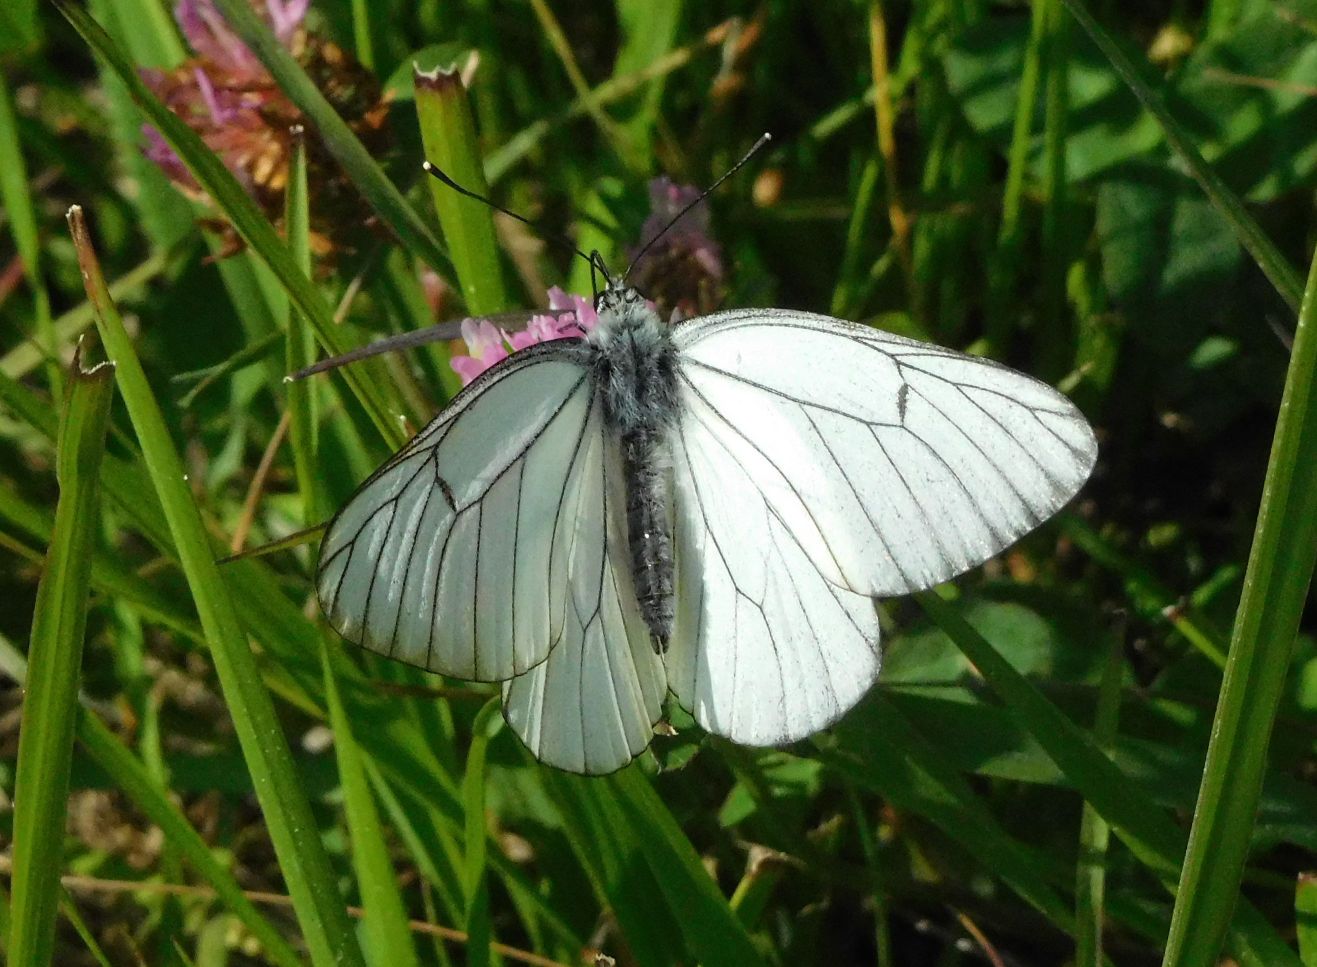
x=619, y=298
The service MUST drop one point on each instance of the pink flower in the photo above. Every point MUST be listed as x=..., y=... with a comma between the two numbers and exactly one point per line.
x=225, y=94
x=683, y=271
x=569, y=317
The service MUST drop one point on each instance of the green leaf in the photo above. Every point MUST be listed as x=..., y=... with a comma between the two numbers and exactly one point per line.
x=1250, y=104
x=292, y=827
x=50, y=707
x=1280, y=568
x=991, y=69
x=649, y=32
x=1250, y=234
x=1168, y=256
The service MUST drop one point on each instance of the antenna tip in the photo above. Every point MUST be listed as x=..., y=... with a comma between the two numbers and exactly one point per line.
x=426, y=166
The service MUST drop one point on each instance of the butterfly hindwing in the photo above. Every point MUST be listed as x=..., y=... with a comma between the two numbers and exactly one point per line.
x=591, y=707
x=764, y=649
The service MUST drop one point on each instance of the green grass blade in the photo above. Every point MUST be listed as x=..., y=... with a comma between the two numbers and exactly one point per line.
x=380, y=193
x=1305, y=917
x=292, y=827
x=299, y=349
x=474, y=887
x=1280, y=567
x=501, y=160
x=246, y=218
x=388, y=938
x=55, y=655
x=17, y=198
x=1054, y=339
x=1010, y=234
x=361, y=40
x=1094, y=833
x=1148, y=595
x=1249, y=233
x=448, y=133
x=714, y=934
x=109, y=576
x=84, y=932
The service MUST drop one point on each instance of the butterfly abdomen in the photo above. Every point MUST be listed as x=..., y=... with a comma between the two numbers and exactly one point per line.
x=635, y=364
x=649, y=530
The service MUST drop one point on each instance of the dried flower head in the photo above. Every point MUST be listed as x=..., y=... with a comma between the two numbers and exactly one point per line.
x=569, y=316
x=227, y=96
x=683, y=272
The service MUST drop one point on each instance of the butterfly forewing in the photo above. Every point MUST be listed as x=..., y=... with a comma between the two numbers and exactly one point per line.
x=895, y=464
x=453, y=556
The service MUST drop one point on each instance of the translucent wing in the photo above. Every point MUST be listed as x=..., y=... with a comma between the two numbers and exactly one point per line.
x=453, y=555
x=894, y=464
x=764, y=649
x=817, y=464
x=591, y=707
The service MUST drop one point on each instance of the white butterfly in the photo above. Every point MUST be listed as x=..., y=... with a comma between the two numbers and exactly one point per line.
x=706, y=510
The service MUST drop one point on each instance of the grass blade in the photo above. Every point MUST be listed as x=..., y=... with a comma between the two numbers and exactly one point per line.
x=908, y=770
x=1305, y=916
x=292, y=827
x=713, y=932
x=388, y=939
x=488, y=720
x=299, y=348
x=448, y=133
x=1280, y=567
x=246, y=218
x=380, y=193
x=25, y=357
x=1250, y=234
x=17, y=198
x=1094, y=833
x=50, y=706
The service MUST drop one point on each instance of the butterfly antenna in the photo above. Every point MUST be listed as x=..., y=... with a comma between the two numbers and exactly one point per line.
x=754, y=149
x=596, y=261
